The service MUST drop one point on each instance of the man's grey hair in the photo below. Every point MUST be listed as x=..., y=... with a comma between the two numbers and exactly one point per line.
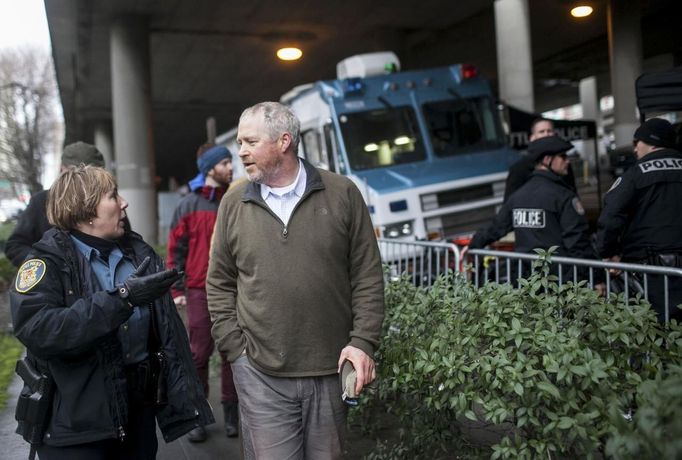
x=279, y=119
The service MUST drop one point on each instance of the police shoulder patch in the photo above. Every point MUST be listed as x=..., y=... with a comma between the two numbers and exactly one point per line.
x=29, y=275
x=578, y=206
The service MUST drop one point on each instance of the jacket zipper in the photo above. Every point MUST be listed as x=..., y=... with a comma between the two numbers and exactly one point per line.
x=285, y=230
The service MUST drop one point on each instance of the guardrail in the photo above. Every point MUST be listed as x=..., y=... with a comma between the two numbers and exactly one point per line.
x=424, y=261
x=650, y=281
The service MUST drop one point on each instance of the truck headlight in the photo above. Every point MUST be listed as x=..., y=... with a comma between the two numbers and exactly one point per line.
x=399, y=229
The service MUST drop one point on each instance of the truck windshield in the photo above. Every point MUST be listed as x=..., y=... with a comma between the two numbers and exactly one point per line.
x=462, y=125
x=382, y=137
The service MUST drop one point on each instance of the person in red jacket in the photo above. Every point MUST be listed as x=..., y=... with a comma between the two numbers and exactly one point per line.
x=189, y=242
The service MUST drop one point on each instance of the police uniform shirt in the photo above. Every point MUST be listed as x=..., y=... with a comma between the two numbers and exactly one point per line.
x=543, y=213
x=642, y=212
x=134, y=333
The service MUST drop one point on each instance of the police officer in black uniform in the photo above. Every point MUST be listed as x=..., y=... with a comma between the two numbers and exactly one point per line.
x=521, y=171
x=544, y=212
x=642, y=217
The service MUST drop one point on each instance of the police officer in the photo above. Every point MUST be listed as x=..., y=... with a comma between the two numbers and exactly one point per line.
x=521, y=171
x=642, y=217
x=544, y=212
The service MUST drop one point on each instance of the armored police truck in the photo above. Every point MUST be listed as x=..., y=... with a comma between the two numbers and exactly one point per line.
x=426, y=148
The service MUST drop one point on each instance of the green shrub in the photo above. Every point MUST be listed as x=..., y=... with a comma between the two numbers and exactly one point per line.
x=7, y=272
x=548, y=363
x=12, y=350
x=161, y=250
x=6, y=229
x=655, y=431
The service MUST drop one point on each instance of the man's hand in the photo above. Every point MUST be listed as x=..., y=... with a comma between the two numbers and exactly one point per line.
x=180, y=301
x=613, y=271
x=363, y=364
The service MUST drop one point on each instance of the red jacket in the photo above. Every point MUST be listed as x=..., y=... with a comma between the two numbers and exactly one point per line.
x=189, y=240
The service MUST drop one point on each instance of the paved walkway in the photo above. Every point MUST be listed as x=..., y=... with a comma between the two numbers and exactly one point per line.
x=218, y=446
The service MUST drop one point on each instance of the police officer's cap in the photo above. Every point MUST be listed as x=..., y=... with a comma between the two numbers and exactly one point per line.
x=550, y=145
x=656, y=132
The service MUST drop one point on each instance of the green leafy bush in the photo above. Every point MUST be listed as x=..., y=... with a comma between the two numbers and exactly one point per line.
x=655, y=430
x=547, y=363
x=7, y=272
x=12, y=350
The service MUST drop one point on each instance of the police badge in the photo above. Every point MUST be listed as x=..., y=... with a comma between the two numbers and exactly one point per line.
x=30, y=273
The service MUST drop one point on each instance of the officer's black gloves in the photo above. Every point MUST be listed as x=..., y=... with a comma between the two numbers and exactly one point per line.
x=142, y=290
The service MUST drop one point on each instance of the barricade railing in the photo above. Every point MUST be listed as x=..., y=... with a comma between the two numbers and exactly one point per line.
x=629, y=279
x=423, y=261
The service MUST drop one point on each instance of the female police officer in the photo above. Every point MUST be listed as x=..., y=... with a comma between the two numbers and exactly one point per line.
x=91, y=306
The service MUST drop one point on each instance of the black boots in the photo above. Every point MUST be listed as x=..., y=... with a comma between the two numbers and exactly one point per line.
x=231, y=414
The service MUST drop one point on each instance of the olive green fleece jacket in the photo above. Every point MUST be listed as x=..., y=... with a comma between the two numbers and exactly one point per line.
x=294, y=296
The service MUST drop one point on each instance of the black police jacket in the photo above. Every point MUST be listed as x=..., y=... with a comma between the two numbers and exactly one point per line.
x=543, y=213
x=70, y=324
x=30, y=227
x=642, y=213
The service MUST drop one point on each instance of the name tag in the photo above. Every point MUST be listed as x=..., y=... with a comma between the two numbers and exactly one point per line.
x=529, y=218
x=664, y=164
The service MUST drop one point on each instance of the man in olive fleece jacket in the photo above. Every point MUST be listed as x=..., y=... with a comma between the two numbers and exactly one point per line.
x=295, y=288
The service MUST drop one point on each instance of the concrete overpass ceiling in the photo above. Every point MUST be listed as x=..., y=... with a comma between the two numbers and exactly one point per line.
x=213, y=58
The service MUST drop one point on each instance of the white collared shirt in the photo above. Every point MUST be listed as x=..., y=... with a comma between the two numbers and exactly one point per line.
x=283, y=200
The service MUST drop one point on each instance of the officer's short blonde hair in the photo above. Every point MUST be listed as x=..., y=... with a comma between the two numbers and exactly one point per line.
x=74, y=196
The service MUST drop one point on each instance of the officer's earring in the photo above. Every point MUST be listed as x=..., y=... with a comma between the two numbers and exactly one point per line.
x=90, y=222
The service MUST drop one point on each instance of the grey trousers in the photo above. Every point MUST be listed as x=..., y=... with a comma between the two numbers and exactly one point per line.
x=289, y=418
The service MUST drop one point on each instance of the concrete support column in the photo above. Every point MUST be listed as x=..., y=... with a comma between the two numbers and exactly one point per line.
x=104, y=143
x=625, y=56
x=514, y=60
x=589, y=100
x=131, y=100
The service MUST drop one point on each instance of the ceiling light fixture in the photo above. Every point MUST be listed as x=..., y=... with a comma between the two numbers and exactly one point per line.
x=289, y=54
x=581, y=11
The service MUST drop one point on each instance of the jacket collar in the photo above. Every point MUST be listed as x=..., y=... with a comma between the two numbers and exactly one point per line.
x=662, y=153
x=549, y=175
x=58, y=243
x=313, y=182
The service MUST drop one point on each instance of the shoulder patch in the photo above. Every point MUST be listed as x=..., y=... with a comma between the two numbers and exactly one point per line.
x=29, y=275
x=615, y=184
x=578, y=206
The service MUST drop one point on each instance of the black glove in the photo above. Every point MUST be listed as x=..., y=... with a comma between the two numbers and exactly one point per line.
x=142, y=290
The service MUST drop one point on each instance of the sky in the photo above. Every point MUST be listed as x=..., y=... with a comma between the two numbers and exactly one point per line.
x=23, y=23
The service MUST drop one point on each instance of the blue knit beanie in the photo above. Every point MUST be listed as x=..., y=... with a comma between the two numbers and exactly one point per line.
x=212, y=157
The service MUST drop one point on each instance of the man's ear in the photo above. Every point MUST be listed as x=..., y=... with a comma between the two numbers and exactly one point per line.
x=285, y=141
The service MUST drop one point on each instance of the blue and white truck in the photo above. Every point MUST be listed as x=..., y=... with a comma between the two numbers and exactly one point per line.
x=426, y=148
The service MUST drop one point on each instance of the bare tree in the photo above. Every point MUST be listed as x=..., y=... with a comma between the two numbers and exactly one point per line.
x=29, y=115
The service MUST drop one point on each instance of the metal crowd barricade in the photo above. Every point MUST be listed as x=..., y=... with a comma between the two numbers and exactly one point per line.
x=504, y=267
x=423, y=261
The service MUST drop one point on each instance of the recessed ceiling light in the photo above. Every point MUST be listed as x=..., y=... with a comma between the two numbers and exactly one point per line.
x=289, y=54
x=581, y=11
